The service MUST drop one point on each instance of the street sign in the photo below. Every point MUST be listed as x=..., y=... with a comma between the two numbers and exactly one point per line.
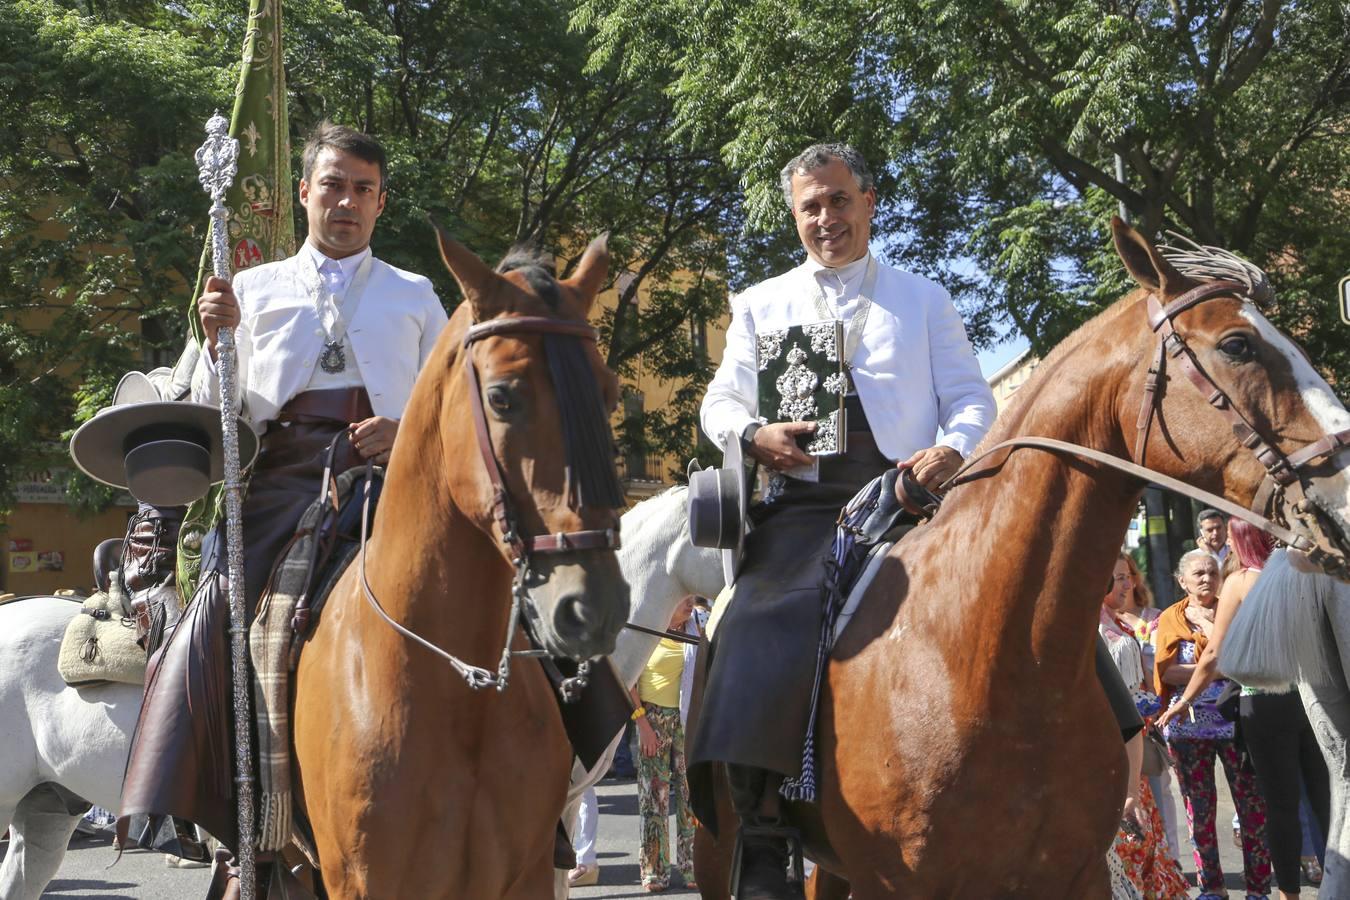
x=1343, y=291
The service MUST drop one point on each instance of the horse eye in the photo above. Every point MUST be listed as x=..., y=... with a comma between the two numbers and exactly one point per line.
x=1235, y=346
x=499, y=398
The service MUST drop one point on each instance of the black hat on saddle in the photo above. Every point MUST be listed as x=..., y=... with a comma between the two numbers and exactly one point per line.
x=718, y=501
x=165, y=453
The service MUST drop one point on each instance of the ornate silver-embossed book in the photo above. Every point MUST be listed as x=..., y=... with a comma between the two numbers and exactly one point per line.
x=802, y=379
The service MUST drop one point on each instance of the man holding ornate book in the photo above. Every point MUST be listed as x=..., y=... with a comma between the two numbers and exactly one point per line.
x=834, y=372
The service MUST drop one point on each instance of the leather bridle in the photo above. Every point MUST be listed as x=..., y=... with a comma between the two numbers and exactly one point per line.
x=1282, y=470
x=523, y=547
x=503, y=512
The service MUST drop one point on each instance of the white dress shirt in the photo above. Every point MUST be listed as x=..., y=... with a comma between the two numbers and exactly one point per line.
x=914, y=369
x=336, y=276
x=280, y=337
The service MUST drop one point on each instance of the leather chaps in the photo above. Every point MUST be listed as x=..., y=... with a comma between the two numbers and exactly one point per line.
x=182, y=752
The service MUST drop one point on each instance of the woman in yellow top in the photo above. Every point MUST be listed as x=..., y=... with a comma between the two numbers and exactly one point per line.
x=660, y=762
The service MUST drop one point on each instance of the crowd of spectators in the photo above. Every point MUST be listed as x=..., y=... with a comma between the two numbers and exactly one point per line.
x=1275, y=772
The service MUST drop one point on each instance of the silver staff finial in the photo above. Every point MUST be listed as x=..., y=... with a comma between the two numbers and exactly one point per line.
x=217, y=164
x=217, y=159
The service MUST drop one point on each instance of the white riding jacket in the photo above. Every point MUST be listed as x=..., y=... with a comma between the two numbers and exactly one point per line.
x=914, y=369
x=280, y=338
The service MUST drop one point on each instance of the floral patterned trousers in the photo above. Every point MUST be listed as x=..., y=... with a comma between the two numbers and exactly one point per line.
x=657, y=777
x=1195, y=773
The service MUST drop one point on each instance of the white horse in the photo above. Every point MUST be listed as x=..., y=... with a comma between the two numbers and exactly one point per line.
x=53, y=734
x=661, y=567
x=1294, y=628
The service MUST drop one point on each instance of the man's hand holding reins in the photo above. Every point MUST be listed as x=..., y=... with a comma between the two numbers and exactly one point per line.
x=217, y=308
x=776, y=445
x=933, y=466
x=373, y=438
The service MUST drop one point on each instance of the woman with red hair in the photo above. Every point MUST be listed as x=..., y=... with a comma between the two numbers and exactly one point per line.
x=1275, y=729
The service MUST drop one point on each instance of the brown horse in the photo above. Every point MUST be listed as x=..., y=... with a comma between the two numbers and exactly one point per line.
x=416, y=785
x=966, y=747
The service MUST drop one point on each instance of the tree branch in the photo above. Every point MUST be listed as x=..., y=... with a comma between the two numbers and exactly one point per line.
x=1249, y=57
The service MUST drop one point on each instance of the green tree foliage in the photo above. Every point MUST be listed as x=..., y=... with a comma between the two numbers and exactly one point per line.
x=494, y=127
x=96, y=206
x=1000, y=121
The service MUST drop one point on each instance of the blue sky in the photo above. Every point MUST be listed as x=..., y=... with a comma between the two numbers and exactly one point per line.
x=998, y=357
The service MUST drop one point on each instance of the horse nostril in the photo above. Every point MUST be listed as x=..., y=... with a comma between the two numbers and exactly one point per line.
x=572, y=617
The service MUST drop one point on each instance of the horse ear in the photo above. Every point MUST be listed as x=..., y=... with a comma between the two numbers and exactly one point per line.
x=476, y=279
x=591, y=272
x=1143, y=261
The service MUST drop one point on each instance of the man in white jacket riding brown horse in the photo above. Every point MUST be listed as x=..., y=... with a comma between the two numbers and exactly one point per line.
x=911, y=371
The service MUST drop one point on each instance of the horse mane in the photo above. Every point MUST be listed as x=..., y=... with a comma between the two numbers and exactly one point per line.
x=1207, y=263
x=1277, y=637
x=592, y=479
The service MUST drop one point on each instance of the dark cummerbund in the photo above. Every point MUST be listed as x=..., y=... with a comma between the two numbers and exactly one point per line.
x=346, y=405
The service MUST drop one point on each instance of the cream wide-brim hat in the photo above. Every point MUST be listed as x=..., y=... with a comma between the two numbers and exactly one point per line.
x=165, y=453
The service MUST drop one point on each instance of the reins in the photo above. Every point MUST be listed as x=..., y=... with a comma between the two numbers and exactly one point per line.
x=1281, y=470
x=663, y=633
x=964, y=476
x=523, y=547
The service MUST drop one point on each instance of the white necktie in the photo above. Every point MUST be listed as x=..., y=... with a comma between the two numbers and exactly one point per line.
x=331, y=271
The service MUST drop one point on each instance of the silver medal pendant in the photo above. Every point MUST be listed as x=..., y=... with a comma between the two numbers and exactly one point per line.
x=334, y=358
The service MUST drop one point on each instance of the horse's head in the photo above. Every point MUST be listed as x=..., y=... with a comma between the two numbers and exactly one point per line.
x=1236, y=400
x=525, y=416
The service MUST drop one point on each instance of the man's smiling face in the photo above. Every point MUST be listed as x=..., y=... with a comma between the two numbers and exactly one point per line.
x=834, y=217
x=342, y=199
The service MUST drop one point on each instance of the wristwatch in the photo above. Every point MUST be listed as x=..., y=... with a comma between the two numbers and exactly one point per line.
x=748, y=434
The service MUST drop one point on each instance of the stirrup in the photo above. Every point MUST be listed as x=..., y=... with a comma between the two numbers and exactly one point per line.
x=793, y=837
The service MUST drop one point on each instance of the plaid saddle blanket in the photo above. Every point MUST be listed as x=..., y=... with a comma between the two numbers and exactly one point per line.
x=325, y=541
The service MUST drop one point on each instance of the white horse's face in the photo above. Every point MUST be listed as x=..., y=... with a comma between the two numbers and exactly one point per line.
x=662, y=567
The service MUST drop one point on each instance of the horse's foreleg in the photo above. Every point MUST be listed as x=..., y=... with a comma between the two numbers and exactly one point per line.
x=538, y=879
x=580, y=782
x=39, y=834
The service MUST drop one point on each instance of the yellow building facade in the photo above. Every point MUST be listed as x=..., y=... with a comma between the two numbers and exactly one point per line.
x=1005, y=382
x=645, y=475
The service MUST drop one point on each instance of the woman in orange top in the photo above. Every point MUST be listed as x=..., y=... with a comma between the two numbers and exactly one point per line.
x=1202, y=735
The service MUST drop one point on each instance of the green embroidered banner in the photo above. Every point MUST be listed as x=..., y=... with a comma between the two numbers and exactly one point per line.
x=261, y=223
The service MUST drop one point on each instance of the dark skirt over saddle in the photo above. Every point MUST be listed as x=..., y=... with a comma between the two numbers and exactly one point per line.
x=758, y=674
x=182, y=754
x=761, y=664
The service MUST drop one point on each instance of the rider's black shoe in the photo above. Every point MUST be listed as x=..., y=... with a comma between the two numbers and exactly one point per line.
x=763, y=871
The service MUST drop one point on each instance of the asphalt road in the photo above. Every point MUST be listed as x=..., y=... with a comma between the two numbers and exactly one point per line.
x=88, y=871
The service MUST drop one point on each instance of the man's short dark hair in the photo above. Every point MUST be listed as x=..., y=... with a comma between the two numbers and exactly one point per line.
x=1209, y=514
x=339, y=137
x=818, y=155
